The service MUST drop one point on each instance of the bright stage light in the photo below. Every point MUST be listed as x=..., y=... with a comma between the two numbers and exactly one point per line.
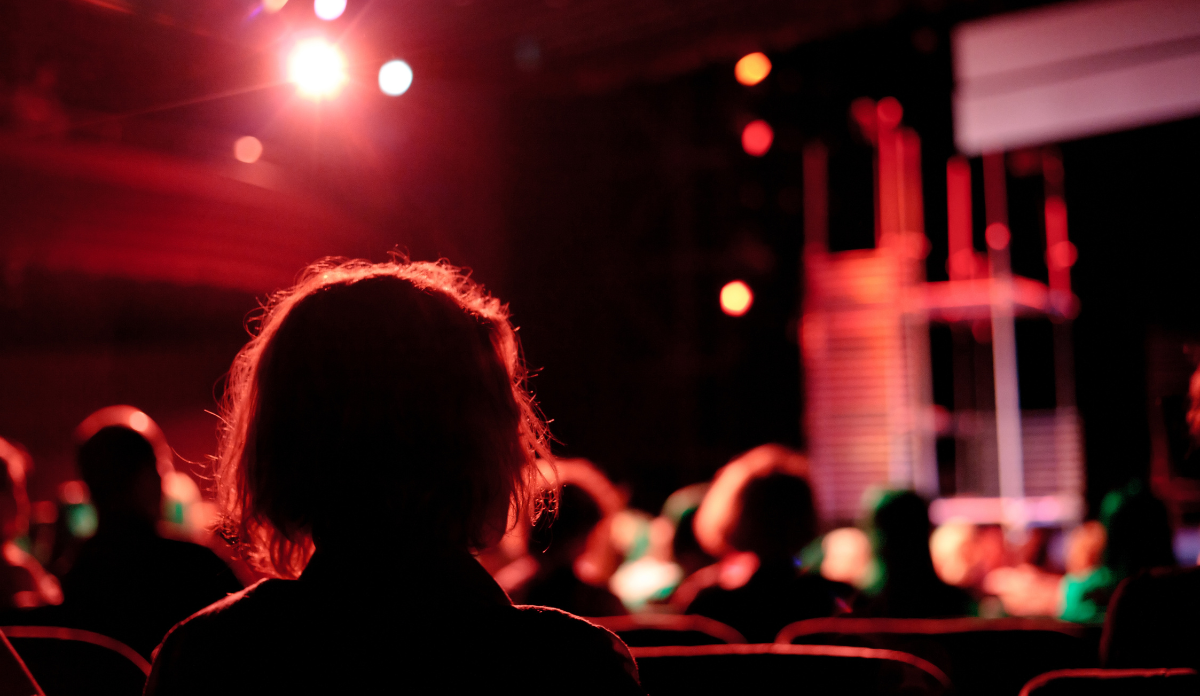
x=395, y=77
x=752, y=69
x=317, y=68
x=329, y=9
x=273, y=6
x=247, y=149
x=736, y=298
x=757, y=137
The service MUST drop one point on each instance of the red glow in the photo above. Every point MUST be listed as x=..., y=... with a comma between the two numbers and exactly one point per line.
x=862, y=110
x=1061, y=255
x=752, y=69
x=74, y=492
x=736, y=298
x=757, y=137
x=889, y=112
x=998, y=235
x=958, y=203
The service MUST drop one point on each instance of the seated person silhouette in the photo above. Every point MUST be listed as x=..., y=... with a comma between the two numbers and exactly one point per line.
x=769, y=518
x=1154, y=616
x=127, y=581
x=1137, y=537
x=377, y=433
x=560, y=546
x=23, y=582
x=905, y=584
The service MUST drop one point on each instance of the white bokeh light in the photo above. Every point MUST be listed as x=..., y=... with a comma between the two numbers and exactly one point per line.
x=395, y=77
x=317, y=68
x=329, y=9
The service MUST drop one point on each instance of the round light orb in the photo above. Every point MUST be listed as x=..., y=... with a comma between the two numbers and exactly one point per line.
x=317, y=68
x=329, y=9
x=247, y=149
x=140, y=421
x=752, y=69
x=997, y=235
x=757, y=137
x=736, y=298
x=273, y=6
x=395, y=77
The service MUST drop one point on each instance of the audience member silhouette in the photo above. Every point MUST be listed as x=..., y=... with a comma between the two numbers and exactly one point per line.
x=565, y=540
x=378, y=431
x=1138, y=538
x=127, y=581
x=23, y=582
x=773, y=520
x=906, y=585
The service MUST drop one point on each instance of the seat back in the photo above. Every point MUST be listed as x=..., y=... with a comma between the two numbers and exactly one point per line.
x=15, y=679
x=1114, y=682
x=69, y=661
x=988, y=657
x=646, y=630
x=772, y=668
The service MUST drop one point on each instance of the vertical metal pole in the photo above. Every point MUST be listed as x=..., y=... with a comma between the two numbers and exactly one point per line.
x=916, y=321
x=1060, y=256
x=1004, y=342
x=814, y=360
x=891, y=250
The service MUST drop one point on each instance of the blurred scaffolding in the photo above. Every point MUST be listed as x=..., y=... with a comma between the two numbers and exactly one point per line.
x=871, y=421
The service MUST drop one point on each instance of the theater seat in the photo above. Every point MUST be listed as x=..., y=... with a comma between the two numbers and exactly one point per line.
x=70, y=661
x=1114, y=682
x=646, y=630
x=784, y=669
x=984, y=657
x=15, y=679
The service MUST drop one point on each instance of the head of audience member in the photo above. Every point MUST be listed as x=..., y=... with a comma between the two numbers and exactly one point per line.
x=1138, y=530
x=900, y=531
x=680, y=510
x=579, y=534
x=1085, y=548
x=14, y=502
x=778, y=518
x=758, y=503
x=564, y=538
x=121, y=453
x=380, y=408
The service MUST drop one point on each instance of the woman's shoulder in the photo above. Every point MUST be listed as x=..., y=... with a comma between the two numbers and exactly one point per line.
x=204, y=638
x=578, y=647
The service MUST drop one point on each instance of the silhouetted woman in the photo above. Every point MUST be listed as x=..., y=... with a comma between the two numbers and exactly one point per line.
x=759, y=514
x=378, y=423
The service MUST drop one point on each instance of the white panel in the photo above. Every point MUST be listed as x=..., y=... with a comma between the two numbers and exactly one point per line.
x=1071, y=31
x=1106, y=102
x=1075, y=70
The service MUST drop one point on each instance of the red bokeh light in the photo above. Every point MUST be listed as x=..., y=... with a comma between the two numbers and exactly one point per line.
x=890, y=112
x=997, y=235
x=736, y=298
x=757, y=137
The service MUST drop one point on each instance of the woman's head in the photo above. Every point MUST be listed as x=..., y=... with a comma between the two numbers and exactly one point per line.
x=376, y=400
x=758, y=502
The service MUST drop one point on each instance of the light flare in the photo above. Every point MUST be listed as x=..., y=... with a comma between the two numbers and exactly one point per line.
x=317, y=68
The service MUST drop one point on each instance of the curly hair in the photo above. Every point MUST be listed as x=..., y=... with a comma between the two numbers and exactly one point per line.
x=388, y=397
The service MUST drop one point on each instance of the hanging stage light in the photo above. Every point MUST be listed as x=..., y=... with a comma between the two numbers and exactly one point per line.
x=395, y=77
x=317, y=68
